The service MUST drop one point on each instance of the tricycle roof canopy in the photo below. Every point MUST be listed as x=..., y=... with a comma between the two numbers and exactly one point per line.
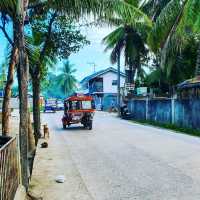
x=79, y=97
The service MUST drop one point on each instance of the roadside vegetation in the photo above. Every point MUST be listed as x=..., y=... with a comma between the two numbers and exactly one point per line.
x=162, y=36
x=61, y=85
x=173, y=127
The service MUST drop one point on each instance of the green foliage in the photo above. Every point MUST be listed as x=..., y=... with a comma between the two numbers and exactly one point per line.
x=103, y=9
x=154, y=7
x=178, y=129
x=130, y=38
x=62, y=85
x=164, y=24
x=66, y=80
x=183, y=67
x=65, y=37
x=174, y=28
x=55, y=36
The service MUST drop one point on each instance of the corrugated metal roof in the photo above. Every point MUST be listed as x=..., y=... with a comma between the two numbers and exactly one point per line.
x=190, y=83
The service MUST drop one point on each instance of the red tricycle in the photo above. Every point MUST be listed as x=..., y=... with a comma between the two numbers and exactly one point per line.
x=78, y=109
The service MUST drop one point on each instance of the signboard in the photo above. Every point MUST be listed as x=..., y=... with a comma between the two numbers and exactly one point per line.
x=129, y=86
x=142, y=91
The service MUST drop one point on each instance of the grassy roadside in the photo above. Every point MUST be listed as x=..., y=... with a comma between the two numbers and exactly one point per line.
x=178, y=129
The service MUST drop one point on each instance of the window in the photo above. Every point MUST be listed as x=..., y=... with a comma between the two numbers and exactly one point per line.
x=74, y=105
x=114, y=82
x=86, y=105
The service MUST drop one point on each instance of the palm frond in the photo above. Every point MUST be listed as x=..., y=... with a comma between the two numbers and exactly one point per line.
x=111, y=39
x=164, y=24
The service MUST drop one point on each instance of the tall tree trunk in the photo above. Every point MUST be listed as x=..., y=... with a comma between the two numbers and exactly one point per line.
x=7, y=92
x=118, y=84
x=197, y=73
x=23, y=129
x=36, y=108
x=36, y=77
x=23, y=91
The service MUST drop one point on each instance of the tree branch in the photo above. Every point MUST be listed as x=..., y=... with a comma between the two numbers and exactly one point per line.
x=36, y=71
x=48, y=36
x=6, y=35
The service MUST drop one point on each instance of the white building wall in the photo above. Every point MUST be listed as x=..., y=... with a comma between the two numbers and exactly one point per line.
x=107, y=82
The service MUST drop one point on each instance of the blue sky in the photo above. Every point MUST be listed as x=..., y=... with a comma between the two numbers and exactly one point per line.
x=93, y=53
x=3, y=45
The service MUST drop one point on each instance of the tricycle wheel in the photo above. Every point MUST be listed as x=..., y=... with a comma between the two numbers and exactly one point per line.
x=90, y=125
x=64, y=126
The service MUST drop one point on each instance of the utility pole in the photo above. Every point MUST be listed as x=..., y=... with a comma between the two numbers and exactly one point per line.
x=94, y=65
x=23, y=91
x=118, y=84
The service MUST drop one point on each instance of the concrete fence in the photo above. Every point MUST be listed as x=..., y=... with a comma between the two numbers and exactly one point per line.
x=184, y=113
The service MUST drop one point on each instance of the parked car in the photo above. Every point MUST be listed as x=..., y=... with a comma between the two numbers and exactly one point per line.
x=50, y=105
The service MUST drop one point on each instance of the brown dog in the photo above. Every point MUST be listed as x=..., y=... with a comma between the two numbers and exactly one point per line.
x=46, y=131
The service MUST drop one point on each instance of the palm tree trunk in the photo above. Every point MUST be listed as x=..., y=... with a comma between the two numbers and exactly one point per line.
x=31, y=145
x=23, y=128
x=36, y=108
x=23, y=93
x=197, y=73
x=65, y=90
x=7, y=92
x=118, y=84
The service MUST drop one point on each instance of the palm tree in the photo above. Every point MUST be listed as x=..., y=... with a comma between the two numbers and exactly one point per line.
x=129, y=37
x=177, y=23
x=67, y=80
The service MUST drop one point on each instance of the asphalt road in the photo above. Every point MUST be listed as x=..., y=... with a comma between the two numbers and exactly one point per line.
x=120, y=160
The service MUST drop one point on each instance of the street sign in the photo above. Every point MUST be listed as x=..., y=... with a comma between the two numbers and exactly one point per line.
x=142, y=91
x=129, y=86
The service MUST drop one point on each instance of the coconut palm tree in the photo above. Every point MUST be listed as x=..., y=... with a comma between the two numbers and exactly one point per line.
x=129, y=37
x=67, y=80
x=177, y=23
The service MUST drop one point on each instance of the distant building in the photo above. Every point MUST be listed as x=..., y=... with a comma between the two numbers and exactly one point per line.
x=189, y=89
x=102, y=85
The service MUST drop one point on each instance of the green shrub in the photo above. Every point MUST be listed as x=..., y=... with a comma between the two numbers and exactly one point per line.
x=184, y=130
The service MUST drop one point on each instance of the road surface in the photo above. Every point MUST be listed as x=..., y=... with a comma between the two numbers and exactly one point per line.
x=120, y=160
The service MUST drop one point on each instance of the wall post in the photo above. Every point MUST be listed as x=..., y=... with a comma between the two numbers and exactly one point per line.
x=147, y=108
x=173, y=110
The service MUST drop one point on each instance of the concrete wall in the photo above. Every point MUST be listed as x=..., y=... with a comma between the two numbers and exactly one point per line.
x=107, y=82
x=160, y=110
x=185, y=113
x=109, y=100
